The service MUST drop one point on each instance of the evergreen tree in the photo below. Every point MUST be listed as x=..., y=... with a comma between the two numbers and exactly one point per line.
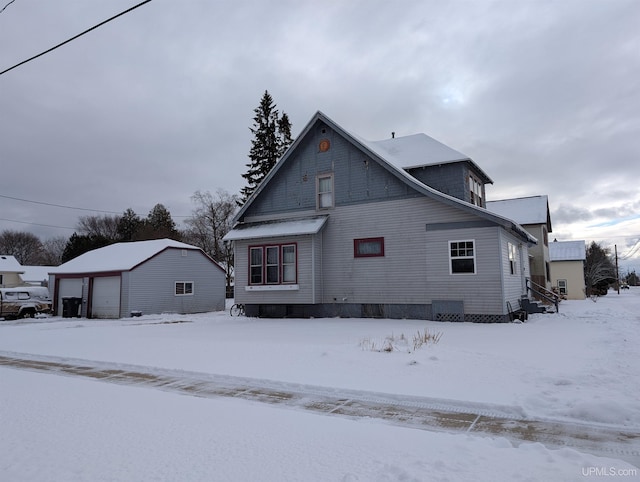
x=271, y=138
x=128, y=225
x=81, y=243
x=158, y=225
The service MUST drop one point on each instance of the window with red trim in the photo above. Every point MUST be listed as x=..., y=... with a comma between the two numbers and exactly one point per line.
x=368, y=247
x=273, y=264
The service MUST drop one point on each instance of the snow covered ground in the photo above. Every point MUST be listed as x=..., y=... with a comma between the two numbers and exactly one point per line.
x=582, y=365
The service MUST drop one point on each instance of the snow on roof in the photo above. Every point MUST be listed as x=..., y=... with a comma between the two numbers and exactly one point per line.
x=295, y=227
x=524, y=210
x=9, y=264
x=568, y=251
x=416, y=150
x=118, y=257
x=33, y=274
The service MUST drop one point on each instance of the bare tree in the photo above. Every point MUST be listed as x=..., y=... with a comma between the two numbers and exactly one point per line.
x=26, y=247
x=599, y=270
x=210, y=221
x=52, y=250
x=105, y=226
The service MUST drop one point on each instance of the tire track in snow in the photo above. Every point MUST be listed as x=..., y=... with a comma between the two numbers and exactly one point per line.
x=407, y=411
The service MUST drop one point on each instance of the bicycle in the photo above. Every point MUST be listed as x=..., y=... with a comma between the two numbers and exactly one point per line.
x=237, y=310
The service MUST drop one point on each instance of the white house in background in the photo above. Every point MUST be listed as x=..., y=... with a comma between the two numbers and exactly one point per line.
x=146, y=277
x=567, y=268
x=532, y=213
x=36, y=275
x=10, y=272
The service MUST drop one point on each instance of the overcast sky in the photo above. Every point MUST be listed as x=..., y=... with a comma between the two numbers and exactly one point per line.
x=157, y=104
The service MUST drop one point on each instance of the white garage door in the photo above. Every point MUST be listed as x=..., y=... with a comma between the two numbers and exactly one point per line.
x=105, y=301
x=68, y=287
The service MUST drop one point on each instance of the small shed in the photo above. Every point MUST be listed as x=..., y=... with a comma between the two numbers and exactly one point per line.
x=123, y=279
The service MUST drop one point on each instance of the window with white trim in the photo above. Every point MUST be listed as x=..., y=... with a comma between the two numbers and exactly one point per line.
x=513, y=256
x=184, y=288
x=562, y=286
x=289, y=268
x=462, y=257
x=325, y=191
x=273, y=264
x=475, y=191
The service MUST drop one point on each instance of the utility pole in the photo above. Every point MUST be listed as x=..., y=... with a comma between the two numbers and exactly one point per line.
x=615, y=247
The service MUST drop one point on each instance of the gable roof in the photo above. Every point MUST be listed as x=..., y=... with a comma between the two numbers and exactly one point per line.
x=420, y=150
x=120, y=256
x=568, y=251
x=393, y=169
x=9, y=264
x=524, y=210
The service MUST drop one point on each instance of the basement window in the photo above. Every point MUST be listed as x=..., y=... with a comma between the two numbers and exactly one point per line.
x=184, y=288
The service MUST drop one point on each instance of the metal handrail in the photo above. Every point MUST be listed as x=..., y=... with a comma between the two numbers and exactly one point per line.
x=544, y=293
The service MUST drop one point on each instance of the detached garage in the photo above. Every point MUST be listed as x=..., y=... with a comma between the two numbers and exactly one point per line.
x=156, y=276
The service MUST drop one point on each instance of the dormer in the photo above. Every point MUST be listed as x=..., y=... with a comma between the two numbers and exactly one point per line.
x=436, y=165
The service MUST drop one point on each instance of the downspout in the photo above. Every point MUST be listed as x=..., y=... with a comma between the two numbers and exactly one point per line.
x=313, y=269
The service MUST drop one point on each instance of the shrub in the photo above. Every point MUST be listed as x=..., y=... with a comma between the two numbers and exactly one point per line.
x=393, y=343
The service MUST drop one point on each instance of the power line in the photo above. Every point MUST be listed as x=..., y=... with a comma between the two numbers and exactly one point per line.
x=70, y=207
x=74, y=37
x=5, y=7
x=58, y=205
x=37, y=224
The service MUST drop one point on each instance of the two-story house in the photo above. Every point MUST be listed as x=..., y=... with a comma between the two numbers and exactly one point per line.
x=347, y=227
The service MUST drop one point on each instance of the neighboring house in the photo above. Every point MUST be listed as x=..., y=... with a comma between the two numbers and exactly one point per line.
x=532, y=213
x=154, y=276
x=10, y=272
x=338, y=228
x=567, y=268
x=36, y=275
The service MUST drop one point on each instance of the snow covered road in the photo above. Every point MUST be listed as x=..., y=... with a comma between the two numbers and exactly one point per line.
x=401, y=410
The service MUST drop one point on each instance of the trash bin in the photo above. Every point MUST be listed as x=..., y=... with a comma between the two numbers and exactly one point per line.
x=71, y=307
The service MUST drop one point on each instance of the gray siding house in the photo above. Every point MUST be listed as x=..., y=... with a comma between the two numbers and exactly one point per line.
x=340, y=228
x=146, y=277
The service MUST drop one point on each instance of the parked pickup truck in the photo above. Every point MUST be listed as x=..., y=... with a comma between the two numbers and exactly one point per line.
x=24, y=301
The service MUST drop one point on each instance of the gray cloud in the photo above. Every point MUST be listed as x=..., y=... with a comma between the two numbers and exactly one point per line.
x=157, y=104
